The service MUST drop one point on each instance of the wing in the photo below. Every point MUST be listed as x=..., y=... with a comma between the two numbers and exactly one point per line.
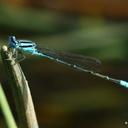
x=83, y=62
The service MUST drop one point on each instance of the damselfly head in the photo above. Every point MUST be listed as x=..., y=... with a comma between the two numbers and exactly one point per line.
x=12, y=42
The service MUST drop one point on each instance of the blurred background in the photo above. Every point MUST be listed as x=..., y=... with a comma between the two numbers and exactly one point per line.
x=63, y=97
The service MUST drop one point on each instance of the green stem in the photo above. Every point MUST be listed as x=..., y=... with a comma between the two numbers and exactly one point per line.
x=10, y=122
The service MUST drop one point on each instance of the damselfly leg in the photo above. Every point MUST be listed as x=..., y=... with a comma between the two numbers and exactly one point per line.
x=17, y=55
x=20, y=56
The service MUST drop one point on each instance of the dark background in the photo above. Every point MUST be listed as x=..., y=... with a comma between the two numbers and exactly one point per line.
x=63, y=97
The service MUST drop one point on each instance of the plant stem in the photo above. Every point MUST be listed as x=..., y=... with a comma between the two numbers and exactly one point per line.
x=20, y=89
x=9, y=119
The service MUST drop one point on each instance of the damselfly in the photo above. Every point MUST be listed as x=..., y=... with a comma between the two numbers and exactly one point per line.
x=82, y=63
